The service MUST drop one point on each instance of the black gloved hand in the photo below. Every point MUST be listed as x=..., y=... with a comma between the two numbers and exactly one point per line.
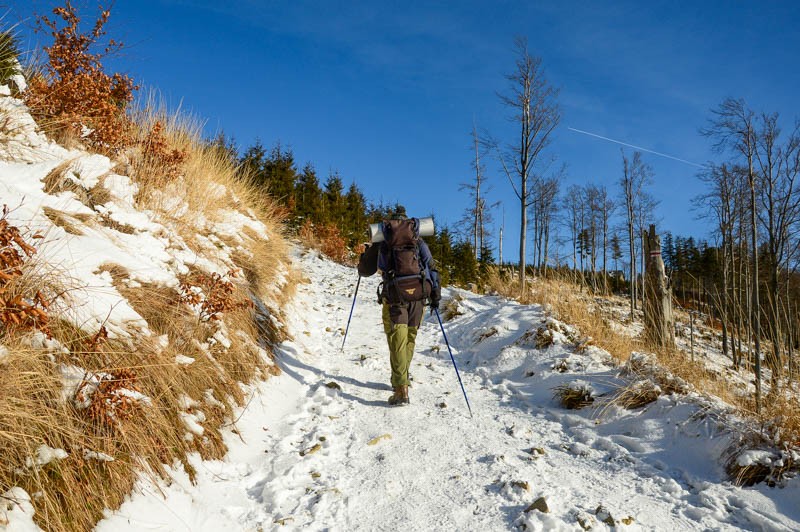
x=436, y=296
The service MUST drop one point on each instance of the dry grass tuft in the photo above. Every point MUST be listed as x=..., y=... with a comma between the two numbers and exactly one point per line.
x=486, y=333
x=107, y=221
x=658, y=369
x=451, y=308
x=574, y=395
x=637, y=394
x=63, y=220
x=748, y=475
x=59, y=179
x=753, y=460
x=99, y=194
x=182, y=177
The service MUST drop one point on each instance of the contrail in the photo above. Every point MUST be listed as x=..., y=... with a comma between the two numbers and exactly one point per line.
x=635, y=147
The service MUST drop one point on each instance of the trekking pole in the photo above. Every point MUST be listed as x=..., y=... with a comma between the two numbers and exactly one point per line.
x=436, y=310
x=351, y=314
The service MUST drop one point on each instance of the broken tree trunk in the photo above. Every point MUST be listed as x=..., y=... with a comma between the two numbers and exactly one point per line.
x=658, y=319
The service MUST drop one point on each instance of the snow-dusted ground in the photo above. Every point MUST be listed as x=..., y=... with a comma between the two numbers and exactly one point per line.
x=49, y=193
x=306, y=454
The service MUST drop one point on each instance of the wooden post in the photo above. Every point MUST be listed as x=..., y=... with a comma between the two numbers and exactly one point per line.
x=658, y=319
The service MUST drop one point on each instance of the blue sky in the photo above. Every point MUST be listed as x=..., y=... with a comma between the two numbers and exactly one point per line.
x=386, y=93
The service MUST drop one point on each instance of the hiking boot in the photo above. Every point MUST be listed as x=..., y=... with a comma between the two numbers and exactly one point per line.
x=400, y=396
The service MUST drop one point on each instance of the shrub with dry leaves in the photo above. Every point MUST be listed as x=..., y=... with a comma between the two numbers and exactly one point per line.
x=73, y=95
x=157, y=153
x=213, y=294
x=18, y=309
x=326, y=238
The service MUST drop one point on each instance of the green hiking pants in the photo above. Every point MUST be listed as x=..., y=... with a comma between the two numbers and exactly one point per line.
x=400, y=323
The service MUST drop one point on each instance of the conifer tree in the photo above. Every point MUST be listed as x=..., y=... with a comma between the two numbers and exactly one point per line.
x=308, y=195
x=252, y=163
x=441, y=247
x=465, y=268
x=281, y=175
x=333, y=206
x=355, y=220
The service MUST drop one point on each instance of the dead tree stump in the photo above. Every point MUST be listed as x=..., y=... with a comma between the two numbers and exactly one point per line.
x=658, y=319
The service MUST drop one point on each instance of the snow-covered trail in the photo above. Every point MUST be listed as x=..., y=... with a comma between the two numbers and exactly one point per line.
x=319, y=448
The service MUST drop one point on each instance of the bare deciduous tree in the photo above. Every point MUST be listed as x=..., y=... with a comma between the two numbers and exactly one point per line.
x=607, y=207
x=635, y=175
x=478, y=215
x=733, y=128
x=725, y=184
x=778, y=213
x=533, y=102
x=543, y=209
x=573, y=208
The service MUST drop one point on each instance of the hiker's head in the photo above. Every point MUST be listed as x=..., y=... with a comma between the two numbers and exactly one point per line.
x=399, y=213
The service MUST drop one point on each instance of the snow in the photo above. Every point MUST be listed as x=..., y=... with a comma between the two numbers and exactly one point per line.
x=192, y=423
x=318, y=448
x=44, y=455
x=308, y=455
x=754, y=457
x=97, y=455
x=16, y=511
x=183, y=360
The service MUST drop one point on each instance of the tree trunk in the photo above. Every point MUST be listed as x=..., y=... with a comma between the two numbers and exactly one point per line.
x=756, y=307
x=658, y=320
x=522, y=237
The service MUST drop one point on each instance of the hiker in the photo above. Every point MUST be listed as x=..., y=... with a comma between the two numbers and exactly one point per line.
x=409, y=277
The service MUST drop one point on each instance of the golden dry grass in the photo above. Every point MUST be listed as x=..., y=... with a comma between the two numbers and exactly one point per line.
x=58, y=180
x=32, y=414
x=637, y=394
x=32, y=411
x=62, y=220
x=568, y=303
x=573, y=397
x=143, y=438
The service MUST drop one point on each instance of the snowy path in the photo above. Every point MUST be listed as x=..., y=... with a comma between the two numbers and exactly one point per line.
x=314, y=457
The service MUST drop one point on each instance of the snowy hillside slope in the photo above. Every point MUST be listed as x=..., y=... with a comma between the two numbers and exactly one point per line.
x=135, y=350
x=79, y=240
x=319, y=449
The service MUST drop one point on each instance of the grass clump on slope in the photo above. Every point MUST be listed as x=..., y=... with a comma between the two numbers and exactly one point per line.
x=84, y=412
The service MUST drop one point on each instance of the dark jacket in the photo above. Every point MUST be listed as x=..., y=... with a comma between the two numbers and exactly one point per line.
x=368, y=261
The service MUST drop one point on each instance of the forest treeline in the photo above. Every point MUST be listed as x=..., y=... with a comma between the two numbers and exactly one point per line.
x=336, y=216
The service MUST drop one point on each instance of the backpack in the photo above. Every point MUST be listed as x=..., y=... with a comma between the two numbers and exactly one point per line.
x=406, y=279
